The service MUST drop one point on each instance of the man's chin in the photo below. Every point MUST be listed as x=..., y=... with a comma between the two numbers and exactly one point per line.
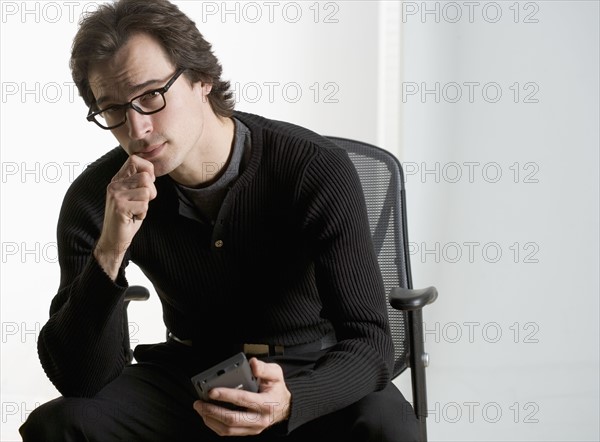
x=160, y=169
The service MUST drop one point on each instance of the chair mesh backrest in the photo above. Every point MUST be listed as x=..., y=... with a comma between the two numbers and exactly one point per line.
x=383, y=186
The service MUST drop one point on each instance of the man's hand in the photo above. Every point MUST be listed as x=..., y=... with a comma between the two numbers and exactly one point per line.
x=261, y=410
x=127, y=199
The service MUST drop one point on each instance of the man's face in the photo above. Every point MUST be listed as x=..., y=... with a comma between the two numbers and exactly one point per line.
x=165, y=138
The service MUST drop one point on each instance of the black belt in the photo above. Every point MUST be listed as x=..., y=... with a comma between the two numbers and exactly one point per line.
x=265, y=350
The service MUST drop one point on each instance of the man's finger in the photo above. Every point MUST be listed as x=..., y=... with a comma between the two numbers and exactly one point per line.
x=134, y=194
x=265, y=371
x=142, y=179
x=133, y=166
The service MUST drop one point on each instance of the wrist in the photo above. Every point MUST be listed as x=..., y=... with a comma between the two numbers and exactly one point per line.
x=109, y=258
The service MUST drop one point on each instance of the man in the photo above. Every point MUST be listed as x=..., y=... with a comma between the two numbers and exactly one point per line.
x=272, y=245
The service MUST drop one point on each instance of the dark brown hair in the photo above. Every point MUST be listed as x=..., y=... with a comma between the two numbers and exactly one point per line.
x=104, y=31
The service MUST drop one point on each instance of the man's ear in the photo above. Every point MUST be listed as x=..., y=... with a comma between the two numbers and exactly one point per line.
x=205, y=87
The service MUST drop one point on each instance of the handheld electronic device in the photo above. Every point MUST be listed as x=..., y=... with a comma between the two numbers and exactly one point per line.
x=234, y=372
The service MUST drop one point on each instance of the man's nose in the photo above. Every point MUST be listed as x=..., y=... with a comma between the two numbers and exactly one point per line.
x=139, y=125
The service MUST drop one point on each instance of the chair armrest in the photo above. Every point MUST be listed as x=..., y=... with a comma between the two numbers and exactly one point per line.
x=133, y=293
x=412, y=299
x=137, y=293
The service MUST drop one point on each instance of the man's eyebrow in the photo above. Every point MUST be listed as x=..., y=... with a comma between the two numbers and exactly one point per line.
x=132, y=88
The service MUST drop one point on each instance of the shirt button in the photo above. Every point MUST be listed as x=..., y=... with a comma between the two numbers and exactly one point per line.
x=219, y=243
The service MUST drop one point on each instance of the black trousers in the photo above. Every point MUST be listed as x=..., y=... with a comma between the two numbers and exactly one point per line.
x=152, y=401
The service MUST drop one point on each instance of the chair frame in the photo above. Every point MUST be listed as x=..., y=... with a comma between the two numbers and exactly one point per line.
x=404, y=299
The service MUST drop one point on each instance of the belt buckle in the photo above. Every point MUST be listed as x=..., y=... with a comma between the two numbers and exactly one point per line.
x=263, y=349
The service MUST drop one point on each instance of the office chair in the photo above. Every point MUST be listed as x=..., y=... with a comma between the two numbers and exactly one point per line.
x=382, y=180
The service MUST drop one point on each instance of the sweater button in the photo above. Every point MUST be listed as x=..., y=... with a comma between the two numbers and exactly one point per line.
x=219, y=243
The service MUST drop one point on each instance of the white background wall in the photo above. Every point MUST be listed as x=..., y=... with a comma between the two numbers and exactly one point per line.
x=514, y=336
x=503, y=196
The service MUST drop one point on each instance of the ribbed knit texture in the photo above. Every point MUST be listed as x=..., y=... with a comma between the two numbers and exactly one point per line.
x=296, y=262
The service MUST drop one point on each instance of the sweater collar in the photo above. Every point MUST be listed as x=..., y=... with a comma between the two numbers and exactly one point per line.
x=167, y=200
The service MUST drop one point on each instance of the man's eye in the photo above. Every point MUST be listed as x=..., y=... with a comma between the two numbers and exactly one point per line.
x=111, y=110
x=150, y=96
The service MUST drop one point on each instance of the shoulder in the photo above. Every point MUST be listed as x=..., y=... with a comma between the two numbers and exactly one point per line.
x=83, y=205
x=91, y=183
x=283, y=134
x=295, y=150
x=315, y=163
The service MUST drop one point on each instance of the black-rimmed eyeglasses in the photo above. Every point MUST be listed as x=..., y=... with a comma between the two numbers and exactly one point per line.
x=147, y=103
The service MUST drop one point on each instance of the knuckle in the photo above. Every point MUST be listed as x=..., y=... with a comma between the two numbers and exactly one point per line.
x=121, y=207
x=147, y=195
x=112, y=187
x=145, y=178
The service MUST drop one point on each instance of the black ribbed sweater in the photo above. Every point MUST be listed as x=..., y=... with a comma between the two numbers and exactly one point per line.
x=289, y=259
